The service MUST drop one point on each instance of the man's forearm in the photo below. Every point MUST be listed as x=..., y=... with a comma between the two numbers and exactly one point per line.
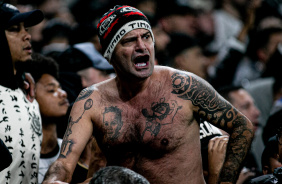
x=239, y=144
x=57, y=172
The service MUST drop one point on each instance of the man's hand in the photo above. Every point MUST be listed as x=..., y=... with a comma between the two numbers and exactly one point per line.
x=216, y=156
x=29, y=86
x=245, y=175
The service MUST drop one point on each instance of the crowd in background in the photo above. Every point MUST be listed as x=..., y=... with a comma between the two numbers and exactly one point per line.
x=226, y=42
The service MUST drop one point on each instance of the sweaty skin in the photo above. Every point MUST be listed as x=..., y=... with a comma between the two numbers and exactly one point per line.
x=146, y=119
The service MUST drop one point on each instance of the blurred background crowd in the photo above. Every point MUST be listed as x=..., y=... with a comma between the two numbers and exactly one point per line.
x=226, y=42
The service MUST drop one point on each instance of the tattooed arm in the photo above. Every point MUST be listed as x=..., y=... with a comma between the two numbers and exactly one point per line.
x=209, y=105
x=77, y=134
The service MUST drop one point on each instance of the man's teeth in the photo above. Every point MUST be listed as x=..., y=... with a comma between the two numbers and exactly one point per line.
x=141, y=64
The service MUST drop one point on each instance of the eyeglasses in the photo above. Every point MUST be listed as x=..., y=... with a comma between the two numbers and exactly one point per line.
x=279, y=138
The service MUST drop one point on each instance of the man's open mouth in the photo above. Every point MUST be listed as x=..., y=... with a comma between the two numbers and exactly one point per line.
x=141, y=61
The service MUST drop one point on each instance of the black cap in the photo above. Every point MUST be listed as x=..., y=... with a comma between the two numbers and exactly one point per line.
x=81, y=56
x=10, y=15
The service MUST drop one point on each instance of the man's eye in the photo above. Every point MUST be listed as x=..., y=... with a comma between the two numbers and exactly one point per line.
x=147, y=36
x=13, y=28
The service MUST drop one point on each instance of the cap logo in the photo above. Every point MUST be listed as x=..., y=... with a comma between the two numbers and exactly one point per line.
x=129, y=9
x=106, y=24
x=11, y=6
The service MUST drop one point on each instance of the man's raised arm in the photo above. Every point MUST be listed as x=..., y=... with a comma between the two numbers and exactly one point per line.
x=77, y=134
x=209, y=105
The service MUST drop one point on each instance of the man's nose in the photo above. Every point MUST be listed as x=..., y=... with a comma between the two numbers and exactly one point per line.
x=27, y=36
x=140, y=45
x=63, y=93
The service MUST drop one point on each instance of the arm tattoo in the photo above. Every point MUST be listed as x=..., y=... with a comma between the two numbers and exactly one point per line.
x=84, y=94
x=67, y=143
x=162, y=113
x=209, y=105
x=212, y=108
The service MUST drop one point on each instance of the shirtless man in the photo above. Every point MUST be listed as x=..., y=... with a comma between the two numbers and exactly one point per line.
x=146, y=118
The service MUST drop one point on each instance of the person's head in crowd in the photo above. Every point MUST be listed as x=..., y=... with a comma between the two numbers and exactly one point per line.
x=273, y=66
x=54, y=9
x=125, y=20
x=85, y=32
x=272, y=125
x=268, y=22
x=186, y=54
x=87, y=62
x=56, y=35
x=15, y=41
x=175, y=17
x=270, y=156
x=236, y=8
x=243, y=101
x=269, y=8
x=52, y=99
x=161, y=39
x=263, y=44
x=117, y=175
x=148, y=7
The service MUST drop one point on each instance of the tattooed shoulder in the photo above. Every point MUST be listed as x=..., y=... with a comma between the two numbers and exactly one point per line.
x=210, y=106
x=85, y=93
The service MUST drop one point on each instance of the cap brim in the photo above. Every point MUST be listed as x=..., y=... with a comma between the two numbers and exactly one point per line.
x=30, y=18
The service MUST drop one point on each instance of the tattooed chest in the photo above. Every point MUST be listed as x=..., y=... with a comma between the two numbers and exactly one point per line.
x=159, y=126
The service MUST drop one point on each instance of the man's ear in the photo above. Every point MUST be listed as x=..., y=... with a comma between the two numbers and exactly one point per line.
x=84, y=81
x=265, y=170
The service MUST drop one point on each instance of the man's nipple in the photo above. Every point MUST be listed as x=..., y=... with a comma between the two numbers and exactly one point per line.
x=164, y=142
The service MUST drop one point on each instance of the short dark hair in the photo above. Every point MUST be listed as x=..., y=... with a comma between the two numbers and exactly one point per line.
x=270, y=151
x=40, y=65
x=259, y=40
x=226, y=90
x=117, y=175
x=273, y=126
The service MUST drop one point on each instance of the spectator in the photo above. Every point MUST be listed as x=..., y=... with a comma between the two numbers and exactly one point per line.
x=175, y=17
x=85, y=61
x=186, y=54
x=53, y=104
x=6, y=155
x=117, y=175
x=161, y=40
x=271, y=161
x=244, y=102
x=272, y=125
x=143, y=122
x=85, y=32
x=229, y=19
x=56, y=36
x=20, y=126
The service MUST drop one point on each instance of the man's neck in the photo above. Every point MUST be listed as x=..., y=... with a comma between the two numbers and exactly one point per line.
x=49, y=141
x=130, y=88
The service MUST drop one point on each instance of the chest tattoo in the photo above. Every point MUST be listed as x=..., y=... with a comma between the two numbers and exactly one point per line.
x=112, y=122
x=161, y=113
